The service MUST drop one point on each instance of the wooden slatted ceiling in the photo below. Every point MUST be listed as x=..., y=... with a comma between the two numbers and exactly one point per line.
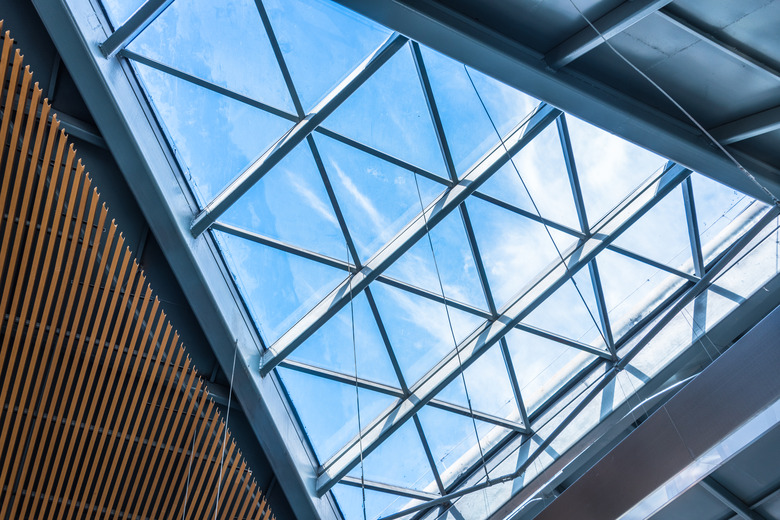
x=103, y=414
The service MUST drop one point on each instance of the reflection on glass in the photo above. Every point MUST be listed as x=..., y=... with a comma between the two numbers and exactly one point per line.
x=120, y=10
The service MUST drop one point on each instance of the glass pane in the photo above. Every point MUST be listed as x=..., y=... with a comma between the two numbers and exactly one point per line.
x=540, y=166
x=609, y=168
x=543, y=366
x=377, y=198
x=717, y=206
x=389, y=113
x=278, y=301
x=120, y=10
x=662, y=234
x=632, y=289
x=452, y=441
x=419, y=330
x=331, y=346
x=322, y=42
x=290, y=204
x=328, y=410
x=454, y=260
x=400, y=460
x=189, y=114
x=488, y=387
x=566, y=314
x=514, y=248
x=468, y=128
x=223, y=43
x=378, y=504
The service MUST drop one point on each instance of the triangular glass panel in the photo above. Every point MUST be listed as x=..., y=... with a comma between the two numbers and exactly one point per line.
x=488, y=387
x=514, y=248
x=328, y=410
x=331, y=346
x=566, y=314
x=541, y=167
x=227, y=47
x=212, y=159
x=543, y=366
x=454, y=260
x=378, y=504
x=452, y=441
x=279, y=288
x=609, y=168
x=467, y=127
x=400, y=461
x=716, y=207
x=632, y=289
x=321, y=43
x=290, y=204
x=661, y=234
x=377, y=198
x=120, y=10
x=419, y=330
x=388, y=112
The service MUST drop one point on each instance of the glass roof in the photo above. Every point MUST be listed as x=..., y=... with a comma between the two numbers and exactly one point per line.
x=406, y=130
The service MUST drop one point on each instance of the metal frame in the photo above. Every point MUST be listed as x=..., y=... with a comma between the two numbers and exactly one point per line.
x=456, y=190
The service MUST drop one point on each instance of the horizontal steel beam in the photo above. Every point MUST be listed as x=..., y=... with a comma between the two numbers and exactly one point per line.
x=753, y=125
x=614, y=22
x=388, y=488
x=489, y=333
x=134, y=25
x=381, y=388
x=669, y=15
x=731, y=501
x=406, y=287
x=263, y=164
x=442, y=206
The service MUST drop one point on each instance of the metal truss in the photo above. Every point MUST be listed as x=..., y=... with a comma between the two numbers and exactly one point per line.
x=497, y=322
x=493, y=330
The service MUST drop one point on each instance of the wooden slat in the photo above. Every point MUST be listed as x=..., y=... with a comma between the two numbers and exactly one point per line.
x=102, y=413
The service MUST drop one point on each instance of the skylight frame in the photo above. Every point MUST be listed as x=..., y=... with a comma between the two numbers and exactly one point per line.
x=563, y=135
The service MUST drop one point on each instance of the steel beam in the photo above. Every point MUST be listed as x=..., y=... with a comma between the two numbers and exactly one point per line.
x=442, y=206
x=382, y=388
x=437, y=24
x=614, y=22
x=753, y=125
x=732, y=501
x=255, y=171
x=134, y=25
x=694, y=237
x=489, y=333
x=669, y=15
x=388, y=488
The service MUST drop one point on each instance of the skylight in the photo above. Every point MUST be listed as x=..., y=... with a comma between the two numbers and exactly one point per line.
x=431, y=202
